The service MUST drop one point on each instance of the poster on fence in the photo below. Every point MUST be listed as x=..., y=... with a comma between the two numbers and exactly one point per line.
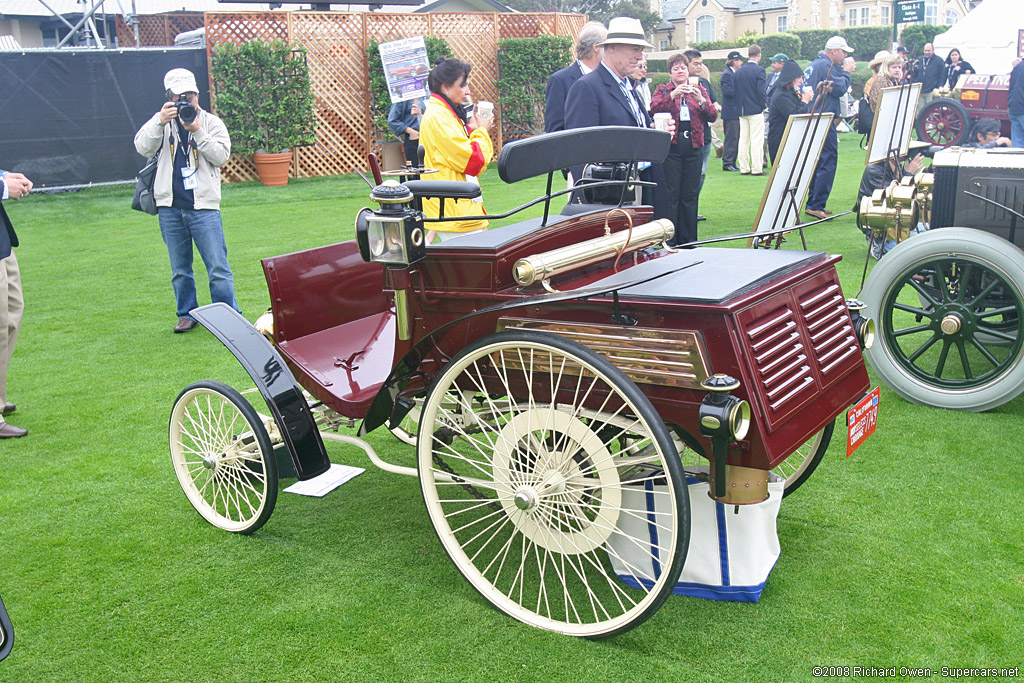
x=405, y=68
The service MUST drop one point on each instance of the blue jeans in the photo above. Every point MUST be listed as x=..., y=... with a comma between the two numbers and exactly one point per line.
x=704, y=166
x=180, y=228
x=1017, y=130
x=825, y=175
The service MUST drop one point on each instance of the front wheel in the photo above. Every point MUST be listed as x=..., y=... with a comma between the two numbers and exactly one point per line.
x=553, y=484
x=223, y=457
x=947, y=306
x=944, y=122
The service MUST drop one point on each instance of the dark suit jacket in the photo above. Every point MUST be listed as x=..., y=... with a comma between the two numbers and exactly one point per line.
x=730, y=107
x=554, y=97
x=932, y=76
x=8, y=239
x=597, y=100
x=751, y=85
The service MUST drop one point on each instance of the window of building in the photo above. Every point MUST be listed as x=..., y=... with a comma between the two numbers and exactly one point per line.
x=886, y=14
x=781, y=23
x=705, y=28
x=663, y=44
x=931, y=12
x=858, y=16
x=952, y=16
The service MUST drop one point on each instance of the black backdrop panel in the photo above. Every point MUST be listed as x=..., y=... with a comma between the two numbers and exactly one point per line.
x=69, y=117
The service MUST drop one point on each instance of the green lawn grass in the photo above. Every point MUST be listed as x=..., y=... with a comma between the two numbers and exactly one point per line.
x=909, y=553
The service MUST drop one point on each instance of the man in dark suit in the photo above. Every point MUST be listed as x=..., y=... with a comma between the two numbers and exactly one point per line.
x=605, y=97
x=930, y=73
x=730, y=111
x=588, y=56
x=12, y=304
x=751, y=86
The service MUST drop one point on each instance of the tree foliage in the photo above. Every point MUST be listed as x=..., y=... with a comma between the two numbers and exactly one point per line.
x=262, y=93
x=916, y=35
x=524, y=65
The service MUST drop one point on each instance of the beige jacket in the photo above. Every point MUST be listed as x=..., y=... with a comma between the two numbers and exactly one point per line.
x=212, y=143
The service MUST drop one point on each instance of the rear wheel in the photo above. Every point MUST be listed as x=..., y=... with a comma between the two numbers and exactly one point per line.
x=533, y=453
x=944, y=122
x=223, y=457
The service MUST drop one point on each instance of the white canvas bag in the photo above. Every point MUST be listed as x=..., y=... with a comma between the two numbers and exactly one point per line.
x=730, y=555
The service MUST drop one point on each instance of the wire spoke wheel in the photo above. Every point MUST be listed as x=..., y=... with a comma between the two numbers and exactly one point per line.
x=223, y=457
x=949, y=307
x=532, y=453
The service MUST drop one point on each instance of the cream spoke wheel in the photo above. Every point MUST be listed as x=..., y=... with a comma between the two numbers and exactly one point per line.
x=531, y=498
x=223, y=457
x=801, y=464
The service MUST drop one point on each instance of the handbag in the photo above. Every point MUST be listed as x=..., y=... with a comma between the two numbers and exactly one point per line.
x=732, y=549
x=143, y=199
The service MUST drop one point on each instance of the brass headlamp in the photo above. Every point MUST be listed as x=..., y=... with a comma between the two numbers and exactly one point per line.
x=893, y=210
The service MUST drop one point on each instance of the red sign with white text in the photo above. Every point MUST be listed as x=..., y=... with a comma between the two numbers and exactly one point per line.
x=861, y=421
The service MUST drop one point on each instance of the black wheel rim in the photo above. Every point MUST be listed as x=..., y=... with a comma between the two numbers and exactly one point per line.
x=953, y=322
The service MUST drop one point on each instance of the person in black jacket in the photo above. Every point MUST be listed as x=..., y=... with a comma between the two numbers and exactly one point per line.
x=930, y=73
x=697, y=69
x=1015, y=102
x=787, y=100
x=956, y=67
x=12, y=303
x=730, y=111
x=751, y=86
x=588, y=57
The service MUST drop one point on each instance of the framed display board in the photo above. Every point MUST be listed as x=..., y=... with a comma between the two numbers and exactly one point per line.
x=792, y=172
x=894, y=121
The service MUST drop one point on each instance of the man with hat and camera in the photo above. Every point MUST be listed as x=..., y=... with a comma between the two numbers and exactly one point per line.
x=605, y=97
x=193, y=144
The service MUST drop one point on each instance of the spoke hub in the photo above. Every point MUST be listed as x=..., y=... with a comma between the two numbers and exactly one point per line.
x=951, y=324
x=526, y=498
x=210, y=461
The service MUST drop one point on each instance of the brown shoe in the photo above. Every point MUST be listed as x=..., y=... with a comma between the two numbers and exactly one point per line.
x=719, y=152
x=11, y=432
x=821, y=215
x=827, y=212
x=184, y=325
x=8, y=409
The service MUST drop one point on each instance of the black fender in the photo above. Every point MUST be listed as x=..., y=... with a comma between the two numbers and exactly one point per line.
x=6, y=632
x=276, y=383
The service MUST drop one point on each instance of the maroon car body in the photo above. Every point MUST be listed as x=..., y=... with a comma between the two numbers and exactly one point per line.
x=947, y=120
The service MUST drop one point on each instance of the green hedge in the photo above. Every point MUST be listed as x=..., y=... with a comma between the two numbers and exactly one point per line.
x=788, y=44
x=714, y=45
x=916, y=35
x=865, y=40
x=657, y=79
x=380, y=100
x=524, y=65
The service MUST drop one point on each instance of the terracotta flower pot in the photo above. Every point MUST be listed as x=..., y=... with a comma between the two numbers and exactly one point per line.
x=273, y=168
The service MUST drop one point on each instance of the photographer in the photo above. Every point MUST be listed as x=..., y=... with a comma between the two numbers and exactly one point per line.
x=193, y=145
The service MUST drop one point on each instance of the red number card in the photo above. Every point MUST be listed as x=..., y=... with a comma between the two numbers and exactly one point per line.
x=861, y=421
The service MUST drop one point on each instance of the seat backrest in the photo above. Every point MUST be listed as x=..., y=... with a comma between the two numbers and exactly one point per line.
x=321, y=288
x=553, y=152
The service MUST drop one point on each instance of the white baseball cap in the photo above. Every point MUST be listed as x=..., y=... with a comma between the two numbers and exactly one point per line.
x=838, y=43
x=180, y=81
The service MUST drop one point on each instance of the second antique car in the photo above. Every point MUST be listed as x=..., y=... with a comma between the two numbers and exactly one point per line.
x=947, y=120
x=545, y=371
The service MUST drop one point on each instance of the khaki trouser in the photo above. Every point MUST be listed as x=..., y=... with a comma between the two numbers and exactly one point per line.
x=12, y=304
x=750, y=157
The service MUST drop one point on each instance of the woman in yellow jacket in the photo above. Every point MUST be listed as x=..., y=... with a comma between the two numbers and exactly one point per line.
x=459, y=147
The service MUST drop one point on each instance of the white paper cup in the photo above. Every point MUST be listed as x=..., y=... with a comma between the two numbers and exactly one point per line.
x=484, y=108
x=661, y=121
x=694, y=80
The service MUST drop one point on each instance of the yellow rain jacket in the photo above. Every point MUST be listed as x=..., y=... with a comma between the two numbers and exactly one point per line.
x=456, y=153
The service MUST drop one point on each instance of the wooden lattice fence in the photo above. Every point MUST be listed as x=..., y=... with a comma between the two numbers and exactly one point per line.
x=336, y=51
x=157, y=30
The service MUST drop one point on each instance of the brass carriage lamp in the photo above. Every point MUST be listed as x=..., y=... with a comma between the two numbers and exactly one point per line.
x=863, y=326
x=393, y=234
x=724, y=418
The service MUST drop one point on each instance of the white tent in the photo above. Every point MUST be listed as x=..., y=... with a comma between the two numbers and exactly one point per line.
x=986, y=37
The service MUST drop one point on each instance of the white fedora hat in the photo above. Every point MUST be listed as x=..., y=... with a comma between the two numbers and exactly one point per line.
x=626, y=31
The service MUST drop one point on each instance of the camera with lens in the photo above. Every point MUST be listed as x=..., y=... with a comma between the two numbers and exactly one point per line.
x=186, y=112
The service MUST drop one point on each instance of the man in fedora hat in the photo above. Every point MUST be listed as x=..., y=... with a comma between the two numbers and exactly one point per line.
x=605, y=97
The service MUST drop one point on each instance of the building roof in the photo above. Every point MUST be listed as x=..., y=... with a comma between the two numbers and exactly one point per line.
x=484, y=6
x=34, y=8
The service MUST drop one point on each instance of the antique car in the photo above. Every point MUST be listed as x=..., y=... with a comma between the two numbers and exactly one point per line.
x=947, y=120
x=947, y=303
x=541, y=370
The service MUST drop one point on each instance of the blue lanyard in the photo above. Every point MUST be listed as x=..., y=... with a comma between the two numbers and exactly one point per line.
x=634, y=107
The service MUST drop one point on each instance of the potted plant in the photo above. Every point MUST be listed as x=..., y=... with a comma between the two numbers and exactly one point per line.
x=262, y=93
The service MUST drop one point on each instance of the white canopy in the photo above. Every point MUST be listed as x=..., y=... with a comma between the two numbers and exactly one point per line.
x=986, y=37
